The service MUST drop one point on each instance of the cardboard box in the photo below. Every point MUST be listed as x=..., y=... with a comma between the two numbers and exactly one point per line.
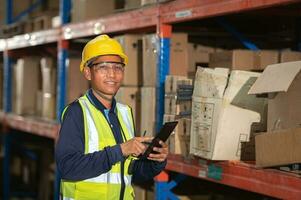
x=83, y=10
x=49, y=106
x=282, y=82
x=179, y=59
x=26, y=85
x=148, y=2
x=216, y=110
x=289, y=56
x=77, y=84
x=131, y=4
x=172, y=82
x=132, y=45
x=198, y=56
x=132, y=97
x=150, y=56
x=148, y=110
x=173, y=106
x=243, y=59
x=179, y=141
x=282, y=147
x=49, y=75
x=266, y=57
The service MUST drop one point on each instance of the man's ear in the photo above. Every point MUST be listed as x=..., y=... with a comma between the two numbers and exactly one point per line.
x=87, y=73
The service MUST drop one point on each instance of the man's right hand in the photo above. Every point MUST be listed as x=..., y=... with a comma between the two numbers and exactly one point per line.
x=135, y=146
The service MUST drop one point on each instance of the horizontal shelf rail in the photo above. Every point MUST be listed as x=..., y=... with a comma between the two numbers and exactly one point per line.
x=241, y=175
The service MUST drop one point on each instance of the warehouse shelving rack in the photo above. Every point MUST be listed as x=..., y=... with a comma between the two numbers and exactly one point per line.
x=159, y=18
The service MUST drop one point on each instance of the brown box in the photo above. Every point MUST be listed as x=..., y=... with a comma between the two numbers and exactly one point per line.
x=278, y=148
x=236, y=59
x=42, y=23
x=243, y=59
x=131, y=96
x=150, y=56
x=179, y=63
x=179, y=141
x=132, y=45
x=266, y=57
x=282, y=82
x=289, y=56
x=130, y=4
x=77, y=84
x=90, y=9
x=198, y=56
x=26, y=85
x=148, y=110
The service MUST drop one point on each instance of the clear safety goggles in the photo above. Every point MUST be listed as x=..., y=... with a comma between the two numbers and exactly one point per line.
x=105, y=67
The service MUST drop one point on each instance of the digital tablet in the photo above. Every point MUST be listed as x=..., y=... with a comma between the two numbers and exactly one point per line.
x=163, y=135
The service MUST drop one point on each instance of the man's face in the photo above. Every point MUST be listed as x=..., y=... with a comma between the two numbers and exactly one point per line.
x=105, y=74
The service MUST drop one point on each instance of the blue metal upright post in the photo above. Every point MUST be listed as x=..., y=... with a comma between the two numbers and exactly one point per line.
x=7, y=84
x=7, y=105
x=65, y=8
x=9, y=12
x=162, y=71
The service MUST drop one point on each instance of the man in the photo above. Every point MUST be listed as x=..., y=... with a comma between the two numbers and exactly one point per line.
x=96, y=151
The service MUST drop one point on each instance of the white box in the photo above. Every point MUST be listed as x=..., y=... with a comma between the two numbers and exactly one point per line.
x=222, y=113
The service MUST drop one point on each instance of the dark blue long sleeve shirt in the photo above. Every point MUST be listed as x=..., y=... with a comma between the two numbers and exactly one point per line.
x=73, y=164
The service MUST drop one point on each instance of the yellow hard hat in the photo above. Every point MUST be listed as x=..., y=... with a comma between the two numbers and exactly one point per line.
x=100, y=46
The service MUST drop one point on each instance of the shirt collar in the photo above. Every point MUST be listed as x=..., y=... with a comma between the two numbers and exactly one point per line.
x=98, y=104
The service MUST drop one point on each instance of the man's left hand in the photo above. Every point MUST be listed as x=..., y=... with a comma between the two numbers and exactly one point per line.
x=162, y=153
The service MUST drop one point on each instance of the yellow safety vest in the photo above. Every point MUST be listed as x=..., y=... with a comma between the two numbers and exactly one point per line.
x=98, y=135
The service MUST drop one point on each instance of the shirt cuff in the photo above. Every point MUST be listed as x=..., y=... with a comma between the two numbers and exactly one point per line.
x=115, y=153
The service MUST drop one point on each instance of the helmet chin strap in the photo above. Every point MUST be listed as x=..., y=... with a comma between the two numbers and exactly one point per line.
x=108, y=99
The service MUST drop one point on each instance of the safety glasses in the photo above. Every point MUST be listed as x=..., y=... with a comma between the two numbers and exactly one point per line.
x=105, y=67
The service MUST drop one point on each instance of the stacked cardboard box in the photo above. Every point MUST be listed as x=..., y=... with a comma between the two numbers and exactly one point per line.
x=282, y=83
x=180, y=57
x=132, y=46
x=243, y=59
x=218, y=103
x=131, y=4
x=198, y=56
x=83, y=10
x=48, y=102
x=77, y=84
x=148, y=110
x=178, y=92
x=289, y=56
x=26, y=83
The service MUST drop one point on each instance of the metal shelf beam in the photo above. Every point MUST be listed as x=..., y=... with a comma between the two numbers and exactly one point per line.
x=32, y=125
x=245, y=176
x=180, y=11
x=125, y=21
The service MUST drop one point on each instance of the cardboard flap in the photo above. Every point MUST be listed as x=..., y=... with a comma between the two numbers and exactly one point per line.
x=276, y=78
